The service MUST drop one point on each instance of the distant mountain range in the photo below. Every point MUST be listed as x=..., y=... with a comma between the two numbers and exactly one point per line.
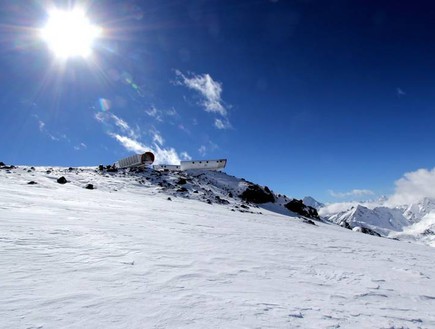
x=414, y=221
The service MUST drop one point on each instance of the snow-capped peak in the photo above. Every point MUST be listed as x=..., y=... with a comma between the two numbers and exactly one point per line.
x=311, y=202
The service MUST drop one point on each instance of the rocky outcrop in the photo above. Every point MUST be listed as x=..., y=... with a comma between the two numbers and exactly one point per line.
x=3, y=166
x=298, y=207
x=365, y=230
x=256, y=194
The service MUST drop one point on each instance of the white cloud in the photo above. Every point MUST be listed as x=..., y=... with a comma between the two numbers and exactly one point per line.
x=108, y=118
x=209, y=89
x=120, y=123
x=211, y=93
x=413, y=187
x=185, y=156
x=155, y=113
x=202, y=150
x=81, y=146
x=218, y=123
x=354, y=192
x=129, y=140
x=163, y=156
x=157, y=138
x=129, y=143
x=166, y=156
x=41, y=125
x=44, y=130
x=160, y=115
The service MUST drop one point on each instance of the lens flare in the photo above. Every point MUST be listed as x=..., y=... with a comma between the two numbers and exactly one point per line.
x=104, y=104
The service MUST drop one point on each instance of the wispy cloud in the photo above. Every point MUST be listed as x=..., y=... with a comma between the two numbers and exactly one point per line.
x=121, y=131
x=157, y=137
x=159, y=115
x=130, y=144
x=44, y=130
x=163, y=156
x=204, y=149
x=413, y=187
x=400, y=92
x=353, y=193
x=110, y=118
x=222, y=124
x=81, y=146
x=210, y=92
x=185, y=156
x=41, y=125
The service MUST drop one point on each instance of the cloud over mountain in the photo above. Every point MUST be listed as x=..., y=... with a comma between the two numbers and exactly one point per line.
x=413, y=187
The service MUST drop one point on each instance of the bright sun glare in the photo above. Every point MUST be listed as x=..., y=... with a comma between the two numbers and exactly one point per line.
x=70, y=33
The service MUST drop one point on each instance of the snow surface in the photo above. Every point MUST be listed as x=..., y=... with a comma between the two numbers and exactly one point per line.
x=124, y=256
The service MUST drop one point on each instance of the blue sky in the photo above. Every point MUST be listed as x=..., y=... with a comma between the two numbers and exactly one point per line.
x=333, y=99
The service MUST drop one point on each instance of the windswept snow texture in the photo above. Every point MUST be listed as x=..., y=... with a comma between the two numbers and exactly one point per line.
x=124, y=256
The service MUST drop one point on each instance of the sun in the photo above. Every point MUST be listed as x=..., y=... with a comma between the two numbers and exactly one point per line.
x=70, y=33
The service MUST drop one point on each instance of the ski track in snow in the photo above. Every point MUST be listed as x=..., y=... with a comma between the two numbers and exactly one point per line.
x=77, y=258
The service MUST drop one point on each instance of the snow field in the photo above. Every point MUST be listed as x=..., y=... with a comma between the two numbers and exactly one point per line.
x=123, y=256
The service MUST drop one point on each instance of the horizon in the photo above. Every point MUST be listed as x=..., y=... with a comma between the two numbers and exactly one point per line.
x=330, y=99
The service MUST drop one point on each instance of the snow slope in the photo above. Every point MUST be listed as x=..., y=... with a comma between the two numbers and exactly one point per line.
x=124, y=256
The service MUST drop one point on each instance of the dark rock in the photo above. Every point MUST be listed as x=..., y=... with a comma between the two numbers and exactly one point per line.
x=230, y=195
x=182, y=189
x=2, y=164
x=366, y=230
x=89, y=187
x=32, y=168
x=309, y=221
x=256, y=194
x=111, y=169
x=169, y=199
x=62, y=180
x=100, y=167
x=244, y=206
x=345, y=225
x=298, y=207
x=209, y=201
x=70, y=168
x=220, y=200
x=32, y=182
x=181, y=181
x=48, y=171
x=7, y=167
